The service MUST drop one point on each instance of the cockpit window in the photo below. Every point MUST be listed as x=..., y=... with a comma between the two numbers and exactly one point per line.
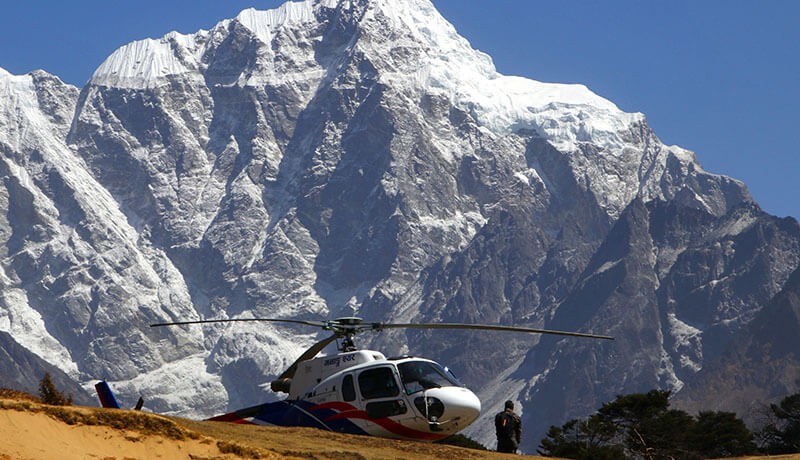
x=422, y=375
x=377, y=383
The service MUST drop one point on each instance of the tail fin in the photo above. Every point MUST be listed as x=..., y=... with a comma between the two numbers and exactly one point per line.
x=106, y=396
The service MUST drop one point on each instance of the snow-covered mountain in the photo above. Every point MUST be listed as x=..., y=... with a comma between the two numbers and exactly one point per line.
x=358, y=156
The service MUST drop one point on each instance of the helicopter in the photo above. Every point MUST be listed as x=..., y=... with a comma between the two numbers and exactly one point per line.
x=364, y=392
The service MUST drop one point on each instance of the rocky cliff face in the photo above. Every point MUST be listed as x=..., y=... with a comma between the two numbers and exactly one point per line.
x=22, y=370
x=338, y=157
x=759, y=365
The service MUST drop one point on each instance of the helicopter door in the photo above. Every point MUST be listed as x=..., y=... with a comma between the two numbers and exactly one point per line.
x=380, y=392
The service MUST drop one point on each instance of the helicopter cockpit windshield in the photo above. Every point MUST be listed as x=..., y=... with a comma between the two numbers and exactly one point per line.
x=423, y=375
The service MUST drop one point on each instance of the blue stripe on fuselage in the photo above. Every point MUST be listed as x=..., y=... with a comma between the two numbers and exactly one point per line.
x=292, y=413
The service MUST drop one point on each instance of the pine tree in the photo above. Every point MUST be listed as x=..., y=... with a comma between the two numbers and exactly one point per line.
x=642, y=426
x=782, y=434
x=50, y=394
x=720, y=434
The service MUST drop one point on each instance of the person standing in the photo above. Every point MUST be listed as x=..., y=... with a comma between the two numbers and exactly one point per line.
x=508, y=427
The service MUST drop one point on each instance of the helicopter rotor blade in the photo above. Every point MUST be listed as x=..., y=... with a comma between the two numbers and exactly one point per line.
x=484, y=327
x=310, y=353
x=347, y=326
x=233, y=320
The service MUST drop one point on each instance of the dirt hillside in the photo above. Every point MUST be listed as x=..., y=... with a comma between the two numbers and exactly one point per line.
x=30, y=430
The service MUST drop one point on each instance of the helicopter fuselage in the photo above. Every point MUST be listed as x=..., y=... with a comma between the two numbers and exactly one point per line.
x=363, y=392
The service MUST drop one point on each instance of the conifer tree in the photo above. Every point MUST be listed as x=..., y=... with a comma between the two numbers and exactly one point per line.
x=782, y=434
x=50, y=394
x=642, y=426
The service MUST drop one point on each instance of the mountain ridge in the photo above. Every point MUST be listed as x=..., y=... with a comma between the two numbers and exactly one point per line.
x=346, y=167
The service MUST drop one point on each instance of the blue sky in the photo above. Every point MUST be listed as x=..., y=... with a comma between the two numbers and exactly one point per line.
x=721, y=78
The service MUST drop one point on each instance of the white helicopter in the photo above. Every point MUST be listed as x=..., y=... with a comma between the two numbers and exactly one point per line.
x=363, y=392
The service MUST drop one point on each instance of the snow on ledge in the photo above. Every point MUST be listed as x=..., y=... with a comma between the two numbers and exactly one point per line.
x=142, y=64
x=264, y=23
x=146, y=63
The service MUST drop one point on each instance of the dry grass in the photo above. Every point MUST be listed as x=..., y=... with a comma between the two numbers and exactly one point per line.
x=228, y=440
x=7, y=393
x=215, y=440
x=310, y=443
x=768, y=457
x=143, y=423
x=118, y=429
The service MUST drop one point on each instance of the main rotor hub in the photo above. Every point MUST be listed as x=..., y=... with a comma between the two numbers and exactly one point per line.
x=348, y=321
x=346, y=328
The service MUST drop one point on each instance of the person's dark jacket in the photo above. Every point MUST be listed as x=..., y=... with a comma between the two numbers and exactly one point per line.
x=508, y=427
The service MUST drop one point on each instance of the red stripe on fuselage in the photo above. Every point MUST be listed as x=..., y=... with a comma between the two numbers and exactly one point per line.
x=348, y=411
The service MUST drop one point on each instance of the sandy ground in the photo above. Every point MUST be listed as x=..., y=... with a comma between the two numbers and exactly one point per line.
x=37, y=436
x=29, y=430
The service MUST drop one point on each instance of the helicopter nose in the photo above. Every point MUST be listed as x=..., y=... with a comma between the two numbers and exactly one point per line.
x=462, y=405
